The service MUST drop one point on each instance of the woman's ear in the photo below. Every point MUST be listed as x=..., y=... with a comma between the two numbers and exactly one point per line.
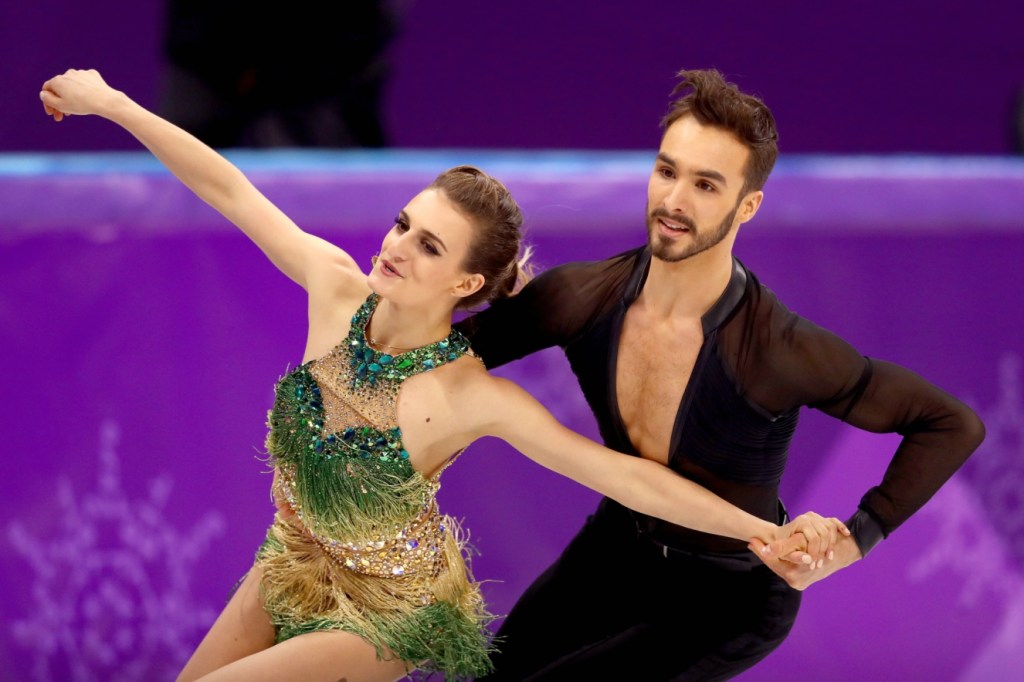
x=468, y=285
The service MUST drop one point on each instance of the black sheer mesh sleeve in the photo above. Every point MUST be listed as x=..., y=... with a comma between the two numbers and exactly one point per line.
x=939, y=434
x=551, y=310
x=796, y=363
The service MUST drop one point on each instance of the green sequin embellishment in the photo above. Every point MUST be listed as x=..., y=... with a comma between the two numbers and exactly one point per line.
x=371, y=366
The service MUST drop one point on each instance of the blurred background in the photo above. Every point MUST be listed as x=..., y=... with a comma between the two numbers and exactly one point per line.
x=873, y=77
x=140, y=334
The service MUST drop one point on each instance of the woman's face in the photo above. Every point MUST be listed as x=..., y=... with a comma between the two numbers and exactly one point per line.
x=421, y=258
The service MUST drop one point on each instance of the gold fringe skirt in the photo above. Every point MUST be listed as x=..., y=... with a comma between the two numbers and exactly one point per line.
x=434, y=622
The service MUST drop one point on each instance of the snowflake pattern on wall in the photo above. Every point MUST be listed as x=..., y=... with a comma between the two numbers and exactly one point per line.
x=111, y=595
x=964, y=544
x=996, y=470
x=993, y=500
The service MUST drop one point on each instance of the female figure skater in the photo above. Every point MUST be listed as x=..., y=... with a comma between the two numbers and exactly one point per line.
x=360, y=577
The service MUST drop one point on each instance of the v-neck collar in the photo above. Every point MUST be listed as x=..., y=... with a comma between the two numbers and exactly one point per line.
x=719, y=312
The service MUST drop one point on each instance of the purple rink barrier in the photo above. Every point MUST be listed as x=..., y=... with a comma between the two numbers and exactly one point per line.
x=142, y=334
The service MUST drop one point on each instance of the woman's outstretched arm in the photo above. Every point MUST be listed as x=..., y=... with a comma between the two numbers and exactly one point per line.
x=213, y=178
x=504, y=410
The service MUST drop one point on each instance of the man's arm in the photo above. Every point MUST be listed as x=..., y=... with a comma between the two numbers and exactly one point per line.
x=547, y=312
x=939, y=434
x=811, y=366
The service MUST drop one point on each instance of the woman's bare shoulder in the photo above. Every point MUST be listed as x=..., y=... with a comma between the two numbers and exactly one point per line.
x=478, y=395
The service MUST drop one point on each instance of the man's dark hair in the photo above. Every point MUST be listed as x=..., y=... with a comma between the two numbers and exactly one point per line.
x=715, y=102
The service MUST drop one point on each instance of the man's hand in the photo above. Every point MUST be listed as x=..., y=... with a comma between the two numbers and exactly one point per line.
x=799, y=575
x=818, y=533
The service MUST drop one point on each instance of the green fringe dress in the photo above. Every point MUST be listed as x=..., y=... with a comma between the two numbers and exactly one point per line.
x=369, y=553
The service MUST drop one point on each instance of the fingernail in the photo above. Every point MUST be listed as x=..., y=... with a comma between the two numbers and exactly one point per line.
x=821, y=562
x=831, y=555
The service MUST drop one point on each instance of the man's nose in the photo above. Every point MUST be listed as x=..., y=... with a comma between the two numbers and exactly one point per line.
x=679, y=199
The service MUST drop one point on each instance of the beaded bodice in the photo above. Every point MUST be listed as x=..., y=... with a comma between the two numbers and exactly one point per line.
x=335, y=442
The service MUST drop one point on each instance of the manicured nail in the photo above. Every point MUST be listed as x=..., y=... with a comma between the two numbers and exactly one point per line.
x=821, y=562
x=831, y=555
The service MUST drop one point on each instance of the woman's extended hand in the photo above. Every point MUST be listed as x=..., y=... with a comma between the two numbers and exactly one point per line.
x=76, y=92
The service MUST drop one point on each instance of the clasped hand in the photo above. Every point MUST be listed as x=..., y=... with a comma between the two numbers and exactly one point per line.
x=807, y=549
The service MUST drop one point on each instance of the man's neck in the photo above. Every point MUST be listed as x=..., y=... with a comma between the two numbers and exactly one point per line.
x=688, y=288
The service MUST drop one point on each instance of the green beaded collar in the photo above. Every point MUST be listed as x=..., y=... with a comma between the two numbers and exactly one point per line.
x=370, y=366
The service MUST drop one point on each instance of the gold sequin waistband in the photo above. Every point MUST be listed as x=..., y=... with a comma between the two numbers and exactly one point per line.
x=415, y=550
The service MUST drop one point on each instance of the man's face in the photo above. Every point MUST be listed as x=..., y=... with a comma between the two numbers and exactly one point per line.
x=693, y=195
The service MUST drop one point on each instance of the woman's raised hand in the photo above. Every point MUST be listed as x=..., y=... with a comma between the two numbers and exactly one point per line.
x=76, y=92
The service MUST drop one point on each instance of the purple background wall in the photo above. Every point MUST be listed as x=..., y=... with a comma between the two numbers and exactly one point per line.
x=140, y=336
x=863, y=77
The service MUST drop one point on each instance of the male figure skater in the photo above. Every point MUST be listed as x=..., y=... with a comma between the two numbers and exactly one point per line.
x=687, y=359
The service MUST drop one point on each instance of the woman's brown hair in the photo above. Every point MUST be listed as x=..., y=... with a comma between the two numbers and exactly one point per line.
x=497, y=240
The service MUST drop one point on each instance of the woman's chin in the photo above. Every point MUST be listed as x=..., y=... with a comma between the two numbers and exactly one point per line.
x=377, y=282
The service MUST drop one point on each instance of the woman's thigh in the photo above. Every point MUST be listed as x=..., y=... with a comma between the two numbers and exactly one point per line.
x=327, y=656
x=243, y=628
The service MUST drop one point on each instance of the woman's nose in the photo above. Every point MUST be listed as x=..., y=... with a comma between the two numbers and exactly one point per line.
x=399, y=248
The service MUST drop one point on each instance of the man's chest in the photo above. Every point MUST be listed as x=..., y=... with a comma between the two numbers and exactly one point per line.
x=654, y=365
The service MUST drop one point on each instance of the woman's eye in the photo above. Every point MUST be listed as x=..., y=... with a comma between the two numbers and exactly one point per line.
x=401, y=225
x=430, y=248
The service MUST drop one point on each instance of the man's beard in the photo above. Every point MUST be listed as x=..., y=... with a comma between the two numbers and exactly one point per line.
x=662, y=247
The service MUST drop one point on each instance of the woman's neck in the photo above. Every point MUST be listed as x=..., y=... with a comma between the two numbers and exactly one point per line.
x=403, y=328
